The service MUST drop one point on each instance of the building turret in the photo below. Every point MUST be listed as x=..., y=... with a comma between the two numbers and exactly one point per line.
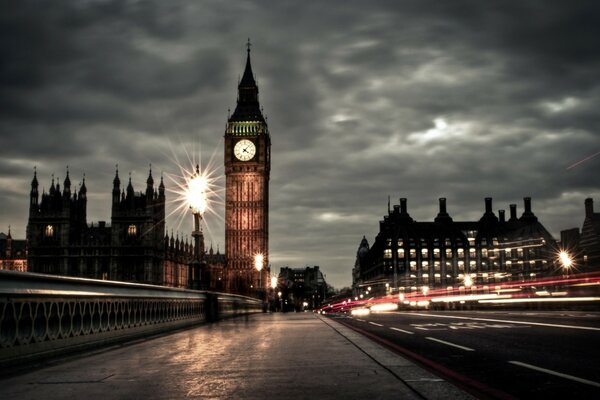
x=67, y=186
x=116, y=187
x=161, y=190
x=150, y=185
x=34, y=194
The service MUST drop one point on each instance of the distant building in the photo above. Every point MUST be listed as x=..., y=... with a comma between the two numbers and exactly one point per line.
x=302, y=287
x=133, y=248
x=411, y=255
x=13, y=253
x=584, y=246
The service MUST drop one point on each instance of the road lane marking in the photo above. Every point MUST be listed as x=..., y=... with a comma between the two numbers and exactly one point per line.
x=560, y=374
x=374, y=323
x=450, y=344
x=361, y=320
x=403, y=331
x=588, y=328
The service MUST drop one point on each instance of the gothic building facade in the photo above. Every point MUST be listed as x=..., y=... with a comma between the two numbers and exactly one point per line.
x=409, y=255
x=132, y=248
x=247, y=159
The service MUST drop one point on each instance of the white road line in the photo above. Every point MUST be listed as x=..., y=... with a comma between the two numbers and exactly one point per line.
x=376, y=324
x=361, y=320
x=549, y=371
x=450, y=344
x=588, y=328
x=403, y=331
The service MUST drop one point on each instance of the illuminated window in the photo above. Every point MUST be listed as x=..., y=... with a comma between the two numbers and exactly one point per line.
x=520, y=253
x=508, y=264
x=472, y=252
x=132, y=230
x=400, y=243
x=425, y=265
x=436, y=253
x=447, y=242
x=387, y=253
x=49, y=231
x=461, y=265
x=424, y=253
x=388, y=242
x=507, y=252
x=461, y=252
x=472, y=265
x=484, y=252
x=400, y=253
x=448, y=253
x=413, y=253
x=436, y=265
x=413, y=265
x=471, y=241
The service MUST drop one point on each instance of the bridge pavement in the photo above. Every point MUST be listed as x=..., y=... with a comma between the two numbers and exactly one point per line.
x=263, y=356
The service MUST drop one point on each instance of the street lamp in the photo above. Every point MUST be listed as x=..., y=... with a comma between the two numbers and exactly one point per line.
x=196, y=197
x=258, y=264
x=566, y=261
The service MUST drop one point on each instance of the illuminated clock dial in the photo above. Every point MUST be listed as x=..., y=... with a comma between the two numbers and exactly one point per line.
x=244, y=150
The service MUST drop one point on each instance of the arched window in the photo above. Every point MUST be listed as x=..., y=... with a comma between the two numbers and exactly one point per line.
x=132, y=230
x=49, y=231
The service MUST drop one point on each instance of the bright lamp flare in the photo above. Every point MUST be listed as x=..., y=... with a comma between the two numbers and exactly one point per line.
x=273, y=282
x=196, y=195
x=258, y=262
x=565, y=259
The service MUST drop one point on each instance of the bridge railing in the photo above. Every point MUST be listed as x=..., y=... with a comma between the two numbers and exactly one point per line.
x=46, y=315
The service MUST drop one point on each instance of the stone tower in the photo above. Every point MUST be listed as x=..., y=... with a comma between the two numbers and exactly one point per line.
x=247, y=169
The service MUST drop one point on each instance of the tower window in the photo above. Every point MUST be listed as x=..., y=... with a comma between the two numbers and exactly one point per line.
x=49, y=231
x=132, y=230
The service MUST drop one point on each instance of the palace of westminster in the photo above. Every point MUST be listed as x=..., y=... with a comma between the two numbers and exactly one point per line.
x=136, y=248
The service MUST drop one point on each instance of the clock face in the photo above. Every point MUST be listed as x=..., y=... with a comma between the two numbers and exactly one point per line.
x=244, y=150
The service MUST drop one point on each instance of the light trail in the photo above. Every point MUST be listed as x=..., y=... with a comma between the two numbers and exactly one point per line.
x=582, y=161
x=587, y=328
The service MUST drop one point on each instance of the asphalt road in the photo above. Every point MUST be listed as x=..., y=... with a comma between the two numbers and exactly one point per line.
x=501, y=354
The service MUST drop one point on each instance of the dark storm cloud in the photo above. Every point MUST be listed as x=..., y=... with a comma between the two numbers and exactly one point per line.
x=460, y=99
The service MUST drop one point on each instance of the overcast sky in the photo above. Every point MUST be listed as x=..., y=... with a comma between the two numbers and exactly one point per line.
x=364, y=99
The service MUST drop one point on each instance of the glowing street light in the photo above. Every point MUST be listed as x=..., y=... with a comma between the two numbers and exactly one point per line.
x=196, y=194
x=197, y=199
x=468, y=281
x=258, y=264
x=565, y=259
x=273, y=282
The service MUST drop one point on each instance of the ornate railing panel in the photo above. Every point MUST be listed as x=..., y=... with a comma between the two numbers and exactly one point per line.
x=43, y=315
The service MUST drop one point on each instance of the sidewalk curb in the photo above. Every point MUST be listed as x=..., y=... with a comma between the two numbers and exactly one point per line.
x=424, y=383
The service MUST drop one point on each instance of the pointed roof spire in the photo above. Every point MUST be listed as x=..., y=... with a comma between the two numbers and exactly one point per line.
x=9, y=236
x=67, y=183
x=83, y=188
x=150, y=180
x=248, y=108
x=34, y=182
x=116, y=181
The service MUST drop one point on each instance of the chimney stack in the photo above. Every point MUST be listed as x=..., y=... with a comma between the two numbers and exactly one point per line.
x=589, y=207
x=488, y=205
x=501, y=215
x=513, y=212
x=403, y=205
x=527, y=201
x=443, y=205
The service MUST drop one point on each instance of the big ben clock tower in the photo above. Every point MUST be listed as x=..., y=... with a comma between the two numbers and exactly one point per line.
x=247, y=168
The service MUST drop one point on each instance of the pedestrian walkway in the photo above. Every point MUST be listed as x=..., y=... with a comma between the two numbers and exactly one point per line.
x=264, y=356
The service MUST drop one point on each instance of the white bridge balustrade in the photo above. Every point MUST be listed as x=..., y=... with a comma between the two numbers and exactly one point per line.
x=46, y=315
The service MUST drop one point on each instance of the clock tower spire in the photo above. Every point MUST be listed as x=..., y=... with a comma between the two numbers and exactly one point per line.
x=247, y=169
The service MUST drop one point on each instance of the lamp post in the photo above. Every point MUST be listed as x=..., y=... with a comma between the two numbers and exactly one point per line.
x=258, y=264
x=197, y=200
